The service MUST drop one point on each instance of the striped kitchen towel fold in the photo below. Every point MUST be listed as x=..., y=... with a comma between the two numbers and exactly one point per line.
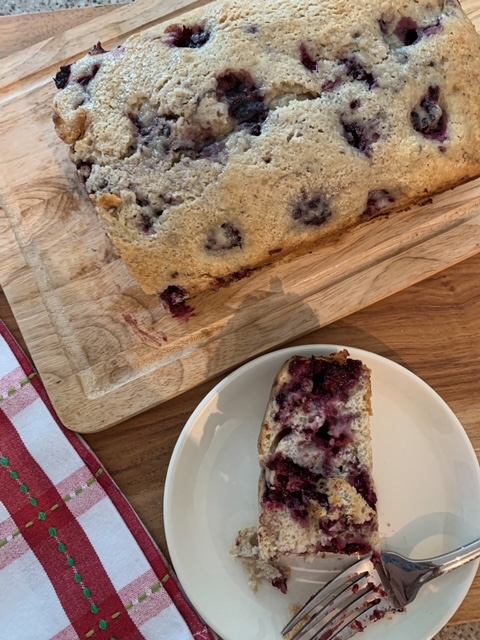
x=75, y=560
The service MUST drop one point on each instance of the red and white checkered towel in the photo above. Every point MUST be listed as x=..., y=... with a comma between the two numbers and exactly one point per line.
x=75, y=560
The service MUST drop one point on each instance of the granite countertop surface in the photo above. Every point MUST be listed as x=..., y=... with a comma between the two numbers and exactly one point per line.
x=15, y=7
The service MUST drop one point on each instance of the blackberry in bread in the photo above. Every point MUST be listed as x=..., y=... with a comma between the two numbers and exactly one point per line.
x=316, y=491
x=251, y=131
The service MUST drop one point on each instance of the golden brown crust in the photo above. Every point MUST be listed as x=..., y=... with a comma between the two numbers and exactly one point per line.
x=109, y=201
x=72, y=130
x=208, y=194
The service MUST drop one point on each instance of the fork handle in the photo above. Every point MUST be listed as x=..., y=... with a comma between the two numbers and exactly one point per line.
x=454, y=559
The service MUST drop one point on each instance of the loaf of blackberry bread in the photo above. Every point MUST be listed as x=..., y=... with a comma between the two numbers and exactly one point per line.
x=250, y=131
x=316, y=490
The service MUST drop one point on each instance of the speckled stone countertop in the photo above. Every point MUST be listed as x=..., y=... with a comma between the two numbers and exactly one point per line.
x=15, y=7
x=460, y=632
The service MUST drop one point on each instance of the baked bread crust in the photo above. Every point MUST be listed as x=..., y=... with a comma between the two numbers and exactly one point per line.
x=248, y=132
x=316, y=491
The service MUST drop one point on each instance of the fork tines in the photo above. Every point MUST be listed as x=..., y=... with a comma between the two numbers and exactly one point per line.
x=343, y=606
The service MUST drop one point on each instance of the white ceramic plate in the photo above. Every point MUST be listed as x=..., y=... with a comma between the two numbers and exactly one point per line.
x=428, y=485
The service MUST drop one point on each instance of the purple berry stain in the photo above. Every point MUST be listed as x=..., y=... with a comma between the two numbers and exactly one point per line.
x=182, y=36
x=236, y=276
x=359, y=136
x=227, y=236
x=357, y=71
x=84, y=170
x=97, y=49
x=313, y=210
x=307, y=59
x=87, y=77
x=62, y=77
x=377, y=202
x=246, y=103
x=428, y=117
x=281, y=583
x=142, y=202
x=174, y=299
x=147, y=216
x=331, y=85
x=408, y=32
x=292, y=485
x=146, y=224
x=362, y=482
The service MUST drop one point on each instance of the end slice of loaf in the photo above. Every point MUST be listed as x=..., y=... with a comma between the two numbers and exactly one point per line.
x=316, y=491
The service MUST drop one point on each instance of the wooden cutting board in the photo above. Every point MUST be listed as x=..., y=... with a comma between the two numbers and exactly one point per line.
x=105, y=350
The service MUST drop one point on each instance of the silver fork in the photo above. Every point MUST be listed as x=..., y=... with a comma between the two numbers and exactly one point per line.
x=368, y=590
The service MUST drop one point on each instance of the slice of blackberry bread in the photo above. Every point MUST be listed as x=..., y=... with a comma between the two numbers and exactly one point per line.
x=316, y=490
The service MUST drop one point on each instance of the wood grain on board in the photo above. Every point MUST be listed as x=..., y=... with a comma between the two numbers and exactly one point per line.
x=432, y=328
x=105, y=350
